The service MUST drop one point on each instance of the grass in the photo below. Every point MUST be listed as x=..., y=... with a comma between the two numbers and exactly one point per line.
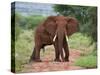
x=88, y=58
x=89, y=61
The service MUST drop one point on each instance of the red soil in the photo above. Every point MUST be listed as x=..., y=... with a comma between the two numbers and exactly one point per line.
x=48, y=64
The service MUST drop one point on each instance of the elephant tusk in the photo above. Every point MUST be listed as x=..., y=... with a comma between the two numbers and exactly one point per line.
x=67, y=38
x=54, y=38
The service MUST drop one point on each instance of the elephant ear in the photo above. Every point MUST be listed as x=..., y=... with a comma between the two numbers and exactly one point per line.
x=72, y=25
x=50, y=25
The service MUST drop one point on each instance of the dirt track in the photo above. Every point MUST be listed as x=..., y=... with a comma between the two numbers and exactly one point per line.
x=48, y=64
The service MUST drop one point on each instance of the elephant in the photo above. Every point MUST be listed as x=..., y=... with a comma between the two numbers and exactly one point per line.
x=53, y=31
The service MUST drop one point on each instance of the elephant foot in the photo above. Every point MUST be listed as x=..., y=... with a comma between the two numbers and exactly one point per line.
x=66, y=60
x=57, y=60
x=35, y=60
x=38, y=60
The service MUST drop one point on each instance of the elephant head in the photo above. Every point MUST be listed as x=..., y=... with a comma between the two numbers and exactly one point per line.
x=59, y=26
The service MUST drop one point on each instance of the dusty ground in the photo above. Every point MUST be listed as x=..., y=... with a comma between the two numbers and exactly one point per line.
x=48, y=64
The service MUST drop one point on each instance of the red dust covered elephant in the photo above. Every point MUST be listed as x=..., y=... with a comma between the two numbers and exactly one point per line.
x=54, y=31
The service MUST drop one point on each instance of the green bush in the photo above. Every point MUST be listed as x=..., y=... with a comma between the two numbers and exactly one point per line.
x=17, y=31
x=89, y=61
x=23, y=49
x=28, y=22
x=79, y=41
x=33, y=21
x=20, y=20
x=94, y=49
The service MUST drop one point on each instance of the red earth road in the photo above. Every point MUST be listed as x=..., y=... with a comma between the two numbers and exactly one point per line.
x=48, y=64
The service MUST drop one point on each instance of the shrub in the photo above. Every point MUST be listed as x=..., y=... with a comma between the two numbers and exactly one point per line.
x=17, y=31
x=33, y=21
x=29, y=21
x=87, y=61
x=23, y=49
x=79, y=41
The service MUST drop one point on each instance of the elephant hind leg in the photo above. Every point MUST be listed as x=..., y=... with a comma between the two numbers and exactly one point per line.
x=36, y=54
x=32, y=58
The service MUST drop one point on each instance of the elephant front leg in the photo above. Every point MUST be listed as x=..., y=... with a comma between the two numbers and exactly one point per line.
x=57, y=54
x=66, y=50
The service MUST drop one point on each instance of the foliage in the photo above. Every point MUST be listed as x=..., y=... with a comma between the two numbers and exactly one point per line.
x=18, y=30
x=25, y=22
x=28, y=22
x=20, y=20
x=33, y=20
x=79, y=41
x=23, y=49
x=89, y=61
x=87, y=17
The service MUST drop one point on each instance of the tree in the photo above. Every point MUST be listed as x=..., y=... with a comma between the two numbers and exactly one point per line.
x=86, y=15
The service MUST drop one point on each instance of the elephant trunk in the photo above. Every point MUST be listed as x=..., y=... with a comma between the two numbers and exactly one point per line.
x=60, y=34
